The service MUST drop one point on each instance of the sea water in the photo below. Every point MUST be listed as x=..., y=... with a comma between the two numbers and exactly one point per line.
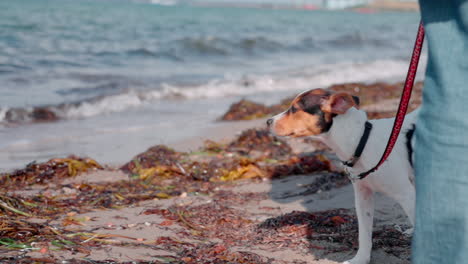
x=123, y=75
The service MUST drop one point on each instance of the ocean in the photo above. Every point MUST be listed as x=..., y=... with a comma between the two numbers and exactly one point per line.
x=123, y=76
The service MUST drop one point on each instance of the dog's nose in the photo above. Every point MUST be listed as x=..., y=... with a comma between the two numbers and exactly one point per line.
x=269, y=122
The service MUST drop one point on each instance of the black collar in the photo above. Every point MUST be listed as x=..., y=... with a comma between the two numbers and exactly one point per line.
x=361, y=145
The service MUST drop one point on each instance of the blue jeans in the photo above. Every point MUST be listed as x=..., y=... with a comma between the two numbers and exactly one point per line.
x=441, y=153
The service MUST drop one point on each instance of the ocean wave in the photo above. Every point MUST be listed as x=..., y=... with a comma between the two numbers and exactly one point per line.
x=305, y=78
x=357, y=39
x=21, y=27
x=103, y=105
x=169, y=54
x=82, y=109
x=3, y=112
x=350, y=39
x=223, y=47
x=203, y=45
x=292, y=81
x=218, y=46
x=142, y=52
x=106, y=88
x=11, y=68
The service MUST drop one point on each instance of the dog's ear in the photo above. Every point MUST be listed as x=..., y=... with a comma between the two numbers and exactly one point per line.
x=338, y=103
x=356, y=100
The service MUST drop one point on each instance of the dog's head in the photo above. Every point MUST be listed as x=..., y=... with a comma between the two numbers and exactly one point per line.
x=311, y=113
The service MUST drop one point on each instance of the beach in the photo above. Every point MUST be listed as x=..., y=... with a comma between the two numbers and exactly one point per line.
x=78, y=81
x=234, y=195
x=395, y=5
x=137, y=135
x=140, y=235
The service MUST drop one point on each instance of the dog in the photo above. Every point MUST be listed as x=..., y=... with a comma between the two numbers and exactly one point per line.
x=335, y=119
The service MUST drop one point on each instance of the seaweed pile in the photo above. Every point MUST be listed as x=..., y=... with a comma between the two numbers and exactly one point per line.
x=332, y=231
x=254, y=154
x=35, y=114
x=45, y=172
x=369, y=94
x=378, y=93
x=221, y=221
x=45, y=220
x=246, y=110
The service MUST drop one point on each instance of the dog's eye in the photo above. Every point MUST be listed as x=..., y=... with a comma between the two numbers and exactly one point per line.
x=293, y=109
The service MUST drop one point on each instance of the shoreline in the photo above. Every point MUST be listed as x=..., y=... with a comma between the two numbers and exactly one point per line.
x=395, y=6
x=127, y=141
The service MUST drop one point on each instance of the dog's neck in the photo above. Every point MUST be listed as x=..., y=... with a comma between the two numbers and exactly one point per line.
x=345, y=133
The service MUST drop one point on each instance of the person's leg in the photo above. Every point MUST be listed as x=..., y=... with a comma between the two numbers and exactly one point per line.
x=441, y=152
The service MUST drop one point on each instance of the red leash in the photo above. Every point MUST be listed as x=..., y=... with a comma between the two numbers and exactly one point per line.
x=404, y=101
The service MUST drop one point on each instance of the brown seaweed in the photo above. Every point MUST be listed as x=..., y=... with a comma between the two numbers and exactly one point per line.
x=42, y=173
x=369, y=94
x=246, y=110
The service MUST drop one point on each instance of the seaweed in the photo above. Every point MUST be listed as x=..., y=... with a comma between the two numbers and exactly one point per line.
x=246, y=110
x=158, y=155
x=255, y=153
x=337, y=228
x=43, y=173
x=158, y=173
x=369, y=94
x=260, y=142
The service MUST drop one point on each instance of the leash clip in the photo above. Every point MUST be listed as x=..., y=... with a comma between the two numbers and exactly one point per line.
x=350, y=163
x=352, y=177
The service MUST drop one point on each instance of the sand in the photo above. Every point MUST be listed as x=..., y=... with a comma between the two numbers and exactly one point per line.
x=395, y=5
x=258, y=201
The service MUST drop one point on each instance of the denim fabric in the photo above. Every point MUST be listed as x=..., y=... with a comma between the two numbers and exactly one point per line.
x=441, y=153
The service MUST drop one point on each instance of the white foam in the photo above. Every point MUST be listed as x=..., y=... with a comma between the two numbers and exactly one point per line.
x=108, y=104
x=306, y=78
x=3, y=112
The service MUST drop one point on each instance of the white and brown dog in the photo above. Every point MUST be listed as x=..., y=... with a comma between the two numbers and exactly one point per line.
x=334, y=118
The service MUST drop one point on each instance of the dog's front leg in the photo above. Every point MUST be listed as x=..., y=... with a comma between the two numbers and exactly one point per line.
x=364, y=199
